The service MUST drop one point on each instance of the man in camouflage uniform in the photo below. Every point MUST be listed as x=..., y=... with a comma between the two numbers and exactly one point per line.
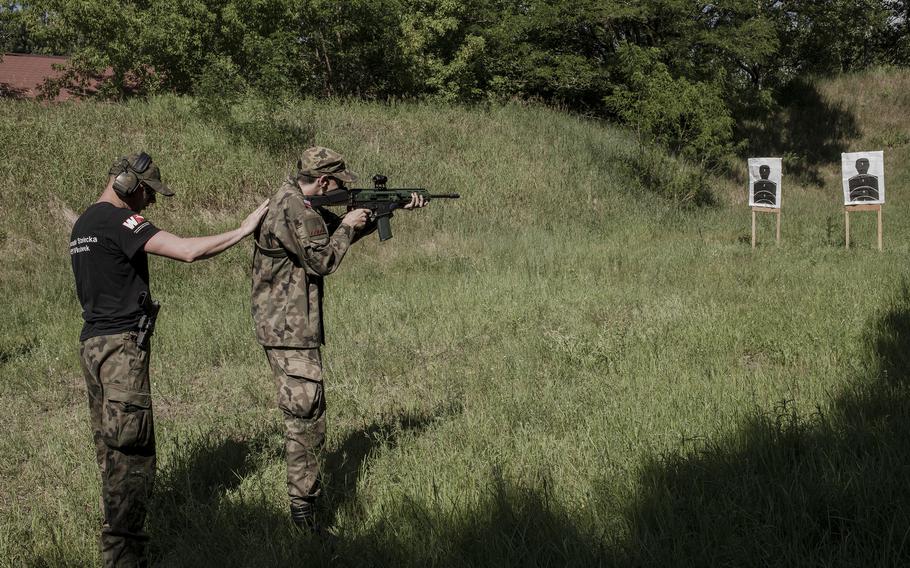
x=297, y=246
x=108, y=250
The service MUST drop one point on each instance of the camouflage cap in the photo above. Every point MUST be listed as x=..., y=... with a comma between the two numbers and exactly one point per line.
x=318, y=161
x=145, y=169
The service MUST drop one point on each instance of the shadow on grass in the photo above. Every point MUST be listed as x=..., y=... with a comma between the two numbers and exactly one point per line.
x=188, y=508
x=257, y=122
x=345, y=464
x=806, y=130
x=277, y=136
x=510, y=525
x=202, y=516
x=828, y=489
x=195, y=523
x=16, y=347
x=785, y=489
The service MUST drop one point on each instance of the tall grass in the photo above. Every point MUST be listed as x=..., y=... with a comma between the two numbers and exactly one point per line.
x=558, y=369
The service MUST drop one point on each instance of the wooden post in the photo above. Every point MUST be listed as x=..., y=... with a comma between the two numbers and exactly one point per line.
x=879, y=228
x=765, y=210
x=848, y=208
x=777, y=237
x=753, y=227
x=847, y=227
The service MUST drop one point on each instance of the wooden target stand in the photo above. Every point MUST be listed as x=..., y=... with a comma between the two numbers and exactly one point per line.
x=766, y=210
x=851, y=208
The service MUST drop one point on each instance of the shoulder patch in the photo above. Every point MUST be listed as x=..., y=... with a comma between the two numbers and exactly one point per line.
x=307, y=223
x=315, y=227
x=133, y=221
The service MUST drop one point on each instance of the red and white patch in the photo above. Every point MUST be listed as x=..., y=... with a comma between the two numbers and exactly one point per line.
x=134, y=221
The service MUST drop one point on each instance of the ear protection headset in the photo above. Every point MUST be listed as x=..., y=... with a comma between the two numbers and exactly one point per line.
x=127, y=181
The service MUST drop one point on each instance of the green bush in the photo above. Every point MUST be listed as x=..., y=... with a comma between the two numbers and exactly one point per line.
x=671, y=178
x=689, y=118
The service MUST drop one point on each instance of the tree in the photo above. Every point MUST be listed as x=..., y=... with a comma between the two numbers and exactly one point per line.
x=689, y=118
x=835, y=36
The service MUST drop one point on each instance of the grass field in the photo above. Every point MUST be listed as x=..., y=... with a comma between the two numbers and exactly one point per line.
x=558, y=369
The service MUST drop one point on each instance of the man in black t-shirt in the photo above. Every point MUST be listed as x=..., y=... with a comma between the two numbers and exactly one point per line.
x=108, y=250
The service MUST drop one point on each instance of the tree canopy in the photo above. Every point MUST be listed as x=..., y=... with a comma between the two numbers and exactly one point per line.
x=676, y=70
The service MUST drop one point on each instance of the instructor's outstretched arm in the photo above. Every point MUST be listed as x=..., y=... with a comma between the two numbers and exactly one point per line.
x=189, y=249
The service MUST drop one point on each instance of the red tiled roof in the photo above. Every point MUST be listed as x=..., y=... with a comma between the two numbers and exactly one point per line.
x=21, y=75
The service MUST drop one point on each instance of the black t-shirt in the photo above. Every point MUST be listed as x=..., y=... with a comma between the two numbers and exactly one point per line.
x=111, y=267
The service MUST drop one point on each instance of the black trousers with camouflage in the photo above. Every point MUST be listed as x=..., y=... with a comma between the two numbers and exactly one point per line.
x=120, y=408
x=301, y=398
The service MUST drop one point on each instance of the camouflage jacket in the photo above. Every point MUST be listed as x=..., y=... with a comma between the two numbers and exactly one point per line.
x=296, y=247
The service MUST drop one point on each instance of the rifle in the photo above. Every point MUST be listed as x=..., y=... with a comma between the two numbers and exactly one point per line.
x=147, y=321
x=380, y=200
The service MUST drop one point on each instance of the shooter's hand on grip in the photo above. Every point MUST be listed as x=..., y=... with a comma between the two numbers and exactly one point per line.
x=356, y=218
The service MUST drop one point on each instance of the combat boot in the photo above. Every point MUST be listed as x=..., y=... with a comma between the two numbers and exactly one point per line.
x=304, y=517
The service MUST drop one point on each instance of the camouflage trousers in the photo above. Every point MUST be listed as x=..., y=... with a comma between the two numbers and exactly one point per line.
x=120, y=409
x=301, y=398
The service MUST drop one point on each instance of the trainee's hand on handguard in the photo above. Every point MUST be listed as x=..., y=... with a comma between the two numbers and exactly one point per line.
x=252, y=220
x=356, y=219
x=417, y=201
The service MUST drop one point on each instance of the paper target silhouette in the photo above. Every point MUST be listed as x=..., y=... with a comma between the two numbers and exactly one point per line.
x=764, y=182
x=863, y=176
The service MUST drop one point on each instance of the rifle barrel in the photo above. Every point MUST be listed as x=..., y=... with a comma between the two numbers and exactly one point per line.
x=342, y=196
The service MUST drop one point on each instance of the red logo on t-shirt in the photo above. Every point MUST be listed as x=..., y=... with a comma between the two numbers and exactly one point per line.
x=134, y=221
